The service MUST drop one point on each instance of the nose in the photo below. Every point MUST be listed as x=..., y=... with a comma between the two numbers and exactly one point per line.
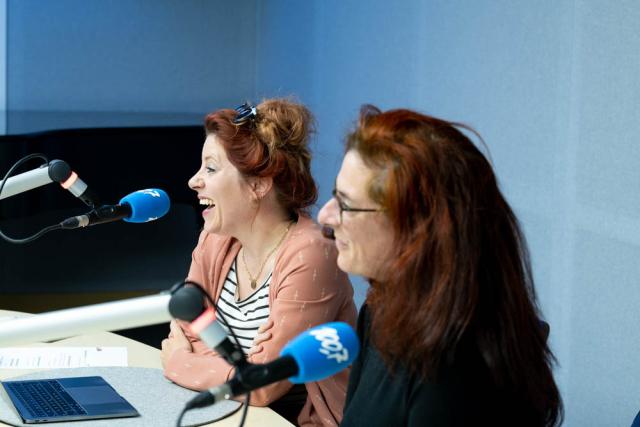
x=195, y=181
x=329, y=214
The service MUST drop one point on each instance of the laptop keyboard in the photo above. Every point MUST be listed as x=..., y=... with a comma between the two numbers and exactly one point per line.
x=46, y=398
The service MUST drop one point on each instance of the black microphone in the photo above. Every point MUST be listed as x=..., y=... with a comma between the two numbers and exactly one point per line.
x=328, y=233
x=99, y=215
x=187, y=304
x=139, y=206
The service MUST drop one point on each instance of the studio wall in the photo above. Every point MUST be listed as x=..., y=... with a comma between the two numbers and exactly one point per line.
x=553, y=88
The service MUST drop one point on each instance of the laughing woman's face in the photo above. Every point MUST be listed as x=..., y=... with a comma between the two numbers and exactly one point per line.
x=222, y=190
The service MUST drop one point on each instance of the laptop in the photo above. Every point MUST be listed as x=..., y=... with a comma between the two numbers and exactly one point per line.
x=67, y=399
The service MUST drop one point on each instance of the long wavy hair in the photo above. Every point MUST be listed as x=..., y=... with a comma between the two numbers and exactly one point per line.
x=461, y=267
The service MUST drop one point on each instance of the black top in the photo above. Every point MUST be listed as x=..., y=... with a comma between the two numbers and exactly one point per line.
x=462, y=394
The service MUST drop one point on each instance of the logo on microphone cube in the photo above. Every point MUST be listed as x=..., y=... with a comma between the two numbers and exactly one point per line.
x=330, y=344
x=150, y=192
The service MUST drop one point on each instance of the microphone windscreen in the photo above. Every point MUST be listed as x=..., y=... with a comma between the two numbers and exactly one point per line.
x=146, y=205
x=322, y=351
x=328, y=233
x=187, y=303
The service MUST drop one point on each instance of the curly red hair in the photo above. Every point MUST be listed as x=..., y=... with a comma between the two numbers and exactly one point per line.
x=274, y=145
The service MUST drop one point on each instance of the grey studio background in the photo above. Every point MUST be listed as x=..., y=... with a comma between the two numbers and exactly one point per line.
x=553, y=86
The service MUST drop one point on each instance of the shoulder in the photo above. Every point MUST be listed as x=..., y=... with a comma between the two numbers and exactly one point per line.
x=211, y=246
x=208, y=241
x=308, y=260
x=306, y=245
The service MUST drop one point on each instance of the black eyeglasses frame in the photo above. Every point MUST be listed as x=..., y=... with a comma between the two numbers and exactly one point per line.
x=344, y=208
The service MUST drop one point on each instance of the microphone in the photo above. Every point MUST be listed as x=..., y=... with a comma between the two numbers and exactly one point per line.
x=328, y=233
x=54, y=171
x=139, y=206
x=315, y=354
x=109, y=316
x=188, y=304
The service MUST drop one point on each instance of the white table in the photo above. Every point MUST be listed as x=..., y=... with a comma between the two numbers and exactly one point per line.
x=144, y=356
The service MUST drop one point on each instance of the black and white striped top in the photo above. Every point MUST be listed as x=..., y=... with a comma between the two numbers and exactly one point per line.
x=246, y=316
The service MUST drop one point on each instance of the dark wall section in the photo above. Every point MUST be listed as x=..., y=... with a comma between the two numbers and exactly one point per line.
x=66, y=268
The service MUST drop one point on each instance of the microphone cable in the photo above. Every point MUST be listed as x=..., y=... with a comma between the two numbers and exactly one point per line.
x=4, y=180
x=246, y=402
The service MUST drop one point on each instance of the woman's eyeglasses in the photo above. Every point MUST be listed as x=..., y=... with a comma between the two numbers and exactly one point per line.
x=246, y=112
x=345, y=208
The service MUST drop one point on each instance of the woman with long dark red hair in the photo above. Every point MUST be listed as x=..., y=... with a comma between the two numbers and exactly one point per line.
x=450, y=330
x=261, y=257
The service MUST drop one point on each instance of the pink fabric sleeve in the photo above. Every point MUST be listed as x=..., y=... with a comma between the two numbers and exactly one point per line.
x=202, y=368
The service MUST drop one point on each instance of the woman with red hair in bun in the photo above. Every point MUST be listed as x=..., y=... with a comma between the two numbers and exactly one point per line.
x=261, y=258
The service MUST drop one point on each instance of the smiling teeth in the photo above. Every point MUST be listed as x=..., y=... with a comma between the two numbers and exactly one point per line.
x=206, y=202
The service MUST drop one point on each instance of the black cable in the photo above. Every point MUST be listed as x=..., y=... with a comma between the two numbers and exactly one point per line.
x=181, y=416
x=11, y=425
x=4, y=180
x=208, y=422
x=245, y=409
x=31, y=238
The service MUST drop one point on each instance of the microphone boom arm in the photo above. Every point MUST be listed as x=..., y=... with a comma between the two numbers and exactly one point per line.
x=54, y=171
x=109, y=316
x=26, y=181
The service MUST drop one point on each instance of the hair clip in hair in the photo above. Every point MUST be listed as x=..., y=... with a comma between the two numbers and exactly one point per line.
x=246, y=112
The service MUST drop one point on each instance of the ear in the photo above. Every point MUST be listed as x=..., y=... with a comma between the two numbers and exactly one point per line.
x=260, y=187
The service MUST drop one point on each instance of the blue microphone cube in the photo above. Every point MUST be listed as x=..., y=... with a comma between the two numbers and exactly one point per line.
x=322, y=351
x=146, y=205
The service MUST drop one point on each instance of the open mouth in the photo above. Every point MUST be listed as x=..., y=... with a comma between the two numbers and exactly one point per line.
x=208, y=203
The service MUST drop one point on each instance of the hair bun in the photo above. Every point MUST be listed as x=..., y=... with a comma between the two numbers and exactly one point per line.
x=276, y=145
x=284, y=125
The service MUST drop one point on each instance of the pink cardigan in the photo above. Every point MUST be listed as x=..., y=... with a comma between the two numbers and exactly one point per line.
x=306, y=289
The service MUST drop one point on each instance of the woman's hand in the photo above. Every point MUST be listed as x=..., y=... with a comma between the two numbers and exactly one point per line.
x=177, y=341
x=264, y=334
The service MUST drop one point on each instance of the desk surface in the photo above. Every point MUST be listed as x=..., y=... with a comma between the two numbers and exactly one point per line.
x=142, y=355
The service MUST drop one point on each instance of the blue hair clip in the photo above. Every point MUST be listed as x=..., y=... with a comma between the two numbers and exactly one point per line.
x=246, y=112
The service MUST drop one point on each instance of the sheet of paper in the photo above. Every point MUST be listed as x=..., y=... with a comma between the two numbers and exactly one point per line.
x=61, y=357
